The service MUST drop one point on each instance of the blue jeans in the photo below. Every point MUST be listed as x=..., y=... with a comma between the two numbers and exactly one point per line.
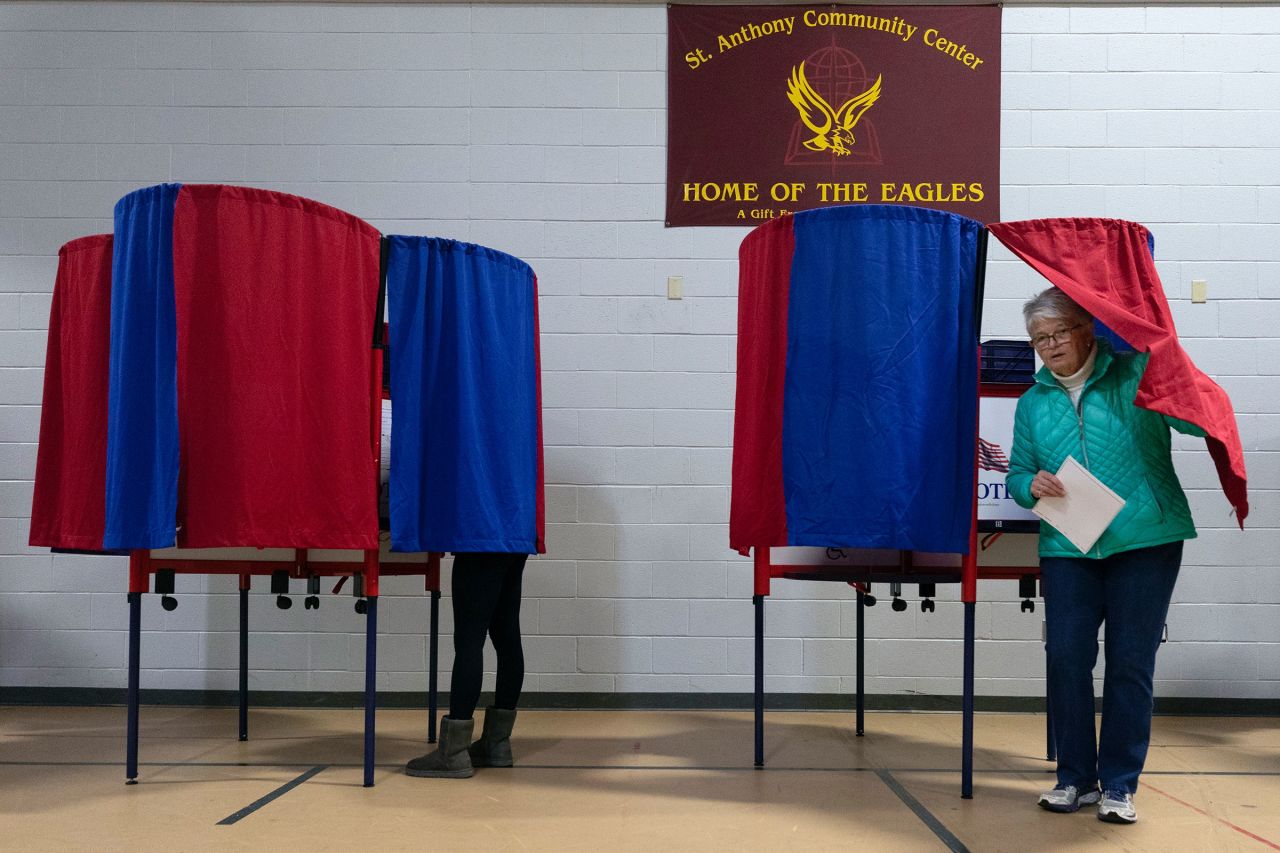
x=1130, y=592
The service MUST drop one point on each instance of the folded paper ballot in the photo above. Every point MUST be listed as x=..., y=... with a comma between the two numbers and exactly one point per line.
x=1085, y=511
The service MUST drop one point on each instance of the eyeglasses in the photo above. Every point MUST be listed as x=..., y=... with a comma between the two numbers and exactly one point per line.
x=1054, y=338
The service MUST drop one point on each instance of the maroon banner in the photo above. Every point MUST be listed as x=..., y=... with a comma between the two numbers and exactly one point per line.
x=774, y=109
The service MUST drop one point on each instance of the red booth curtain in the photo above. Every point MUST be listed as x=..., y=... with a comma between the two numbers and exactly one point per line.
x=275, y=298
x=69, y=507
x=1106, y=266
x=757, y=514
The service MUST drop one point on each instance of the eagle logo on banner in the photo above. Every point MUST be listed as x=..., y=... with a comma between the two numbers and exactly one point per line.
x=833, y=129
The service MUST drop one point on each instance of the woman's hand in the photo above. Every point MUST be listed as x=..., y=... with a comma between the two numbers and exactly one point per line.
x=1045, y=485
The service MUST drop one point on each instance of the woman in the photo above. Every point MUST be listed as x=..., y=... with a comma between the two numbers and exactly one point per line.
x=1081, y=405
x=486, y=599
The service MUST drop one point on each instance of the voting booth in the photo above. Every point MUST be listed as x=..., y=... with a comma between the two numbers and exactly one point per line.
x=861, y=432
x=857, y=418
x=214, y=400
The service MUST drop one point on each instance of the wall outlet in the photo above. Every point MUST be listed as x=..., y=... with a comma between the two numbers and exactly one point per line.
x=675, y=287
x=1199, y=290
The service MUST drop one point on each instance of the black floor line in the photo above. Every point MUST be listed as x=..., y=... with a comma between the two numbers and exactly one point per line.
x=709, y=768
x=274, y=795
x=936, y=826
x=168, y=764
x=1210, y=773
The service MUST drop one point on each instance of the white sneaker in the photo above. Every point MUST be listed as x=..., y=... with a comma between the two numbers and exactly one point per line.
x=1117, y=807
x=1068, y=798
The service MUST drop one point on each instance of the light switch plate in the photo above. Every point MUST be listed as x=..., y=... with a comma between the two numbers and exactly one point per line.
x=1199, y=290
x=675, y=287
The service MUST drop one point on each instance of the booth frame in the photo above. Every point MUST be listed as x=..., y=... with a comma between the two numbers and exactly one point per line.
x=365, y=574
x=860, y=577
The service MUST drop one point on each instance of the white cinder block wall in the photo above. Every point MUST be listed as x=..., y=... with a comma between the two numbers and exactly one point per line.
x=540, y=130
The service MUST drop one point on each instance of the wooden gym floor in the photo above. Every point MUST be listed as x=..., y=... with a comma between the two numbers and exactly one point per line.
x=613, y=781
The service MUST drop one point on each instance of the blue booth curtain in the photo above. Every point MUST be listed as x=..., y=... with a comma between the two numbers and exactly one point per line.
x=879, y=411
x=142, y=400
x=464, y=392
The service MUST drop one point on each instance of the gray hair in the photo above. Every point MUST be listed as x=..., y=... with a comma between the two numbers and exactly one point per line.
x=1053, y=304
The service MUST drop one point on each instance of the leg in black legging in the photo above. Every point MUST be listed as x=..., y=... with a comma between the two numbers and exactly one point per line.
x=477, y=583
x=504, y=630
x=486, y=591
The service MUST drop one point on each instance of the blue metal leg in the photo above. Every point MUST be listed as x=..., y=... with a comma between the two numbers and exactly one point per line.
x=135, y=651
x=370, y=685
x=244, y=663
x=758, y=601
x=1050, y=745
x=861, y=695
x=966, y=738
x=433, y=693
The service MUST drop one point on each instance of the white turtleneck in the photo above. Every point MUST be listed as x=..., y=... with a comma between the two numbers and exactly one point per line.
x=1075, y=382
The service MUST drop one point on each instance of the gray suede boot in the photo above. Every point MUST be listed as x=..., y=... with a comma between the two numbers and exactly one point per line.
x=450, y=760
x=494, y=747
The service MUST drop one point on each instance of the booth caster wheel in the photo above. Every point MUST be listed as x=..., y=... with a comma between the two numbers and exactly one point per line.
x=1027, y=591
x=280, y=586
x=168, y=602
x=868, y=600
x=898, y=605
x=362, y=607
x=312, y=601
x=926, y=606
